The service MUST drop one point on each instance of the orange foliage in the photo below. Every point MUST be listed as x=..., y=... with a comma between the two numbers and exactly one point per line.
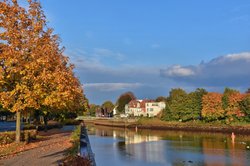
x=233, y=104
x=212, y=106
x=34, y=73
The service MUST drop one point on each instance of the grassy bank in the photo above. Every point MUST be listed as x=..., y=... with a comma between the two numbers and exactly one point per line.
x=72, y=158
x=156, y=124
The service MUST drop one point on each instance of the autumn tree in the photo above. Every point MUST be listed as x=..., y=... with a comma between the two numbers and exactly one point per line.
x=233, y=110
x=124, y=99
x=212, y=107
x=34, y=74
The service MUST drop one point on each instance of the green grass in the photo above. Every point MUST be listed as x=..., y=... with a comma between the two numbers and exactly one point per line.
x=75, y=140
x=158, y=122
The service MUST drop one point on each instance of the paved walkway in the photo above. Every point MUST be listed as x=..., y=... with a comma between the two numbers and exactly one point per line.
x=49, y=152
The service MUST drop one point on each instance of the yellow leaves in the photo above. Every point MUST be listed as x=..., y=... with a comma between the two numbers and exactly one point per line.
x=36, y=72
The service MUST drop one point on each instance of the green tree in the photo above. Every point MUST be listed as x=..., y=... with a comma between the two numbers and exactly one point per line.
x=226, y=94
x=86, y=105
x=93, y=109
x=192, y=105
x=175, y=104
x=245, y=107
x=161, y=98
x=108, y=107
x=124, y=99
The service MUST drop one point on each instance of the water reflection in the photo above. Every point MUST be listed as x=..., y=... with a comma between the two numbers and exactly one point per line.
x=146, y=147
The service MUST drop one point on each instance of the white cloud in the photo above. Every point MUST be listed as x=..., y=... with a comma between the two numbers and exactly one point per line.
x=228, y=70
x=177, y=70
x=112, y=86
x=240, y=56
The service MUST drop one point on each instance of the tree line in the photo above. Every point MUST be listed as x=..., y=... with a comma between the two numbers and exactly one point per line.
x=107, y=107
x=199, y=105
x=229, y=106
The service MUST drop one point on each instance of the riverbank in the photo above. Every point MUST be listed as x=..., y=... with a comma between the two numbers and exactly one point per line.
x=156, y=124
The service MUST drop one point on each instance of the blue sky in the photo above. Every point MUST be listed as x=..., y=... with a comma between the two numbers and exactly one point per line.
x=151, y=46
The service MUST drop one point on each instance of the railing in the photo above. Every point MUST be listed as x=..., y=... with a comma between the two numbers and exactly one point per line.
x=85, y=147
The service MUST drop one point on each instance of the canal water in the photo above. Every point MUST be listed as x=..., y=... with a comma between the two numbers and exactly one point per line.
x=7, y=126
x=123, y=147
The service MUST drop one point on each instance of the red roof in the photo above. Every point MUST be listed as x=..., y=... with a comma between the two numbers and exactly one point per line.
x=133, y=103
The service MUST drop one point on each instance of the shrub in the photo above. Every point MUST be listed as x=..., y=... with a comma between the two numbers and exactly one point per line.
x=71, y=122
x=42, y=127
x=75, y=140
x=9, y=137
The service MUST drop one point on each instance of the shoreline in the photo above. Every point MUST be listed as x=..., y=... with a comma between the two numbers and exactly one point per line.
x=242, y=130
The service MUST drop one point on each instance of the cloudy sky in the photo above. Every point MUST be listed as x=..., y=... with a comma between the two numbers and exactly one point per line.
x=151, y=46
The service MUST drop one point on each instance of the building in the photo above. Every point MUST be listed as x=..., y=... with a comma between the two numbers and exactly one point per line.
x=147, y=108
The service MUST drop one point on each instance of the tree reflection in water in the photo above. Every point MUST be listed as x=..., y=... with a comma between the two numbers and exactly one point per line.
x=148, y=147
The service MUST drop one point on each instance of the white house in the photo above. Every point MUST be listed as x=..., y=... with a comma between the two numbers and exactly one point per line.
x=154, y=108
x=149, y=108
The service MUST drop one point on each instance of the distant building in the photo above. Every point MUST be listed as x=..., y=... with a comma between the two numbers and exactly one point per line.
x=115, y=110
x=147, y=108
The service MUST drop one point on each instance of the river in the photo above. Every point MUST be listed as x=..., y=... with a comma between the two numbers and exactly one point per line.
x=7, y=126
x=123, y=147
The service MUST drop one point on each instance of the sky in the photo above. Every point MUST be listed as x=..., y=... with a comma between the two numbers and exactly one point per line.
x=151, y=46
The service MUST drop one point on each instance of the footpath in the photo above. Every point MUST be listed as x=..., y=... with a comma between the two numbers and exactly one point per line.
x=49, y=151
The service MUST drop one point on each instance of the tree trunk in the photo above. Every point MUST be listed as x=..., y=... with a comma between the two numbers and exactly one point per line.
x=18, y=126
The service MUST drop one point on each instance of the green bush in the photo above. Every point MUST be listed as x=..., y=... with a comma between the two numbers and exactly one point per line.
x=29, y=127
x=50, y=126
x=71, y=122
x=75, y=139
x=42, y=127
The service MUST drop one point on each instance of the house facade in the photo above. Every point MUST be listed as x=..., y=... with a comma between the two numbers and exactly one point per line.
x=147, y=108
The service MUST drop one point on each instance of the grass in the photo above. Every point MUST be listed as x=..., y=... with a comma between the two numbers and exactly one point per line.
x=72, y=158
x=194, y=124
x=75, y=140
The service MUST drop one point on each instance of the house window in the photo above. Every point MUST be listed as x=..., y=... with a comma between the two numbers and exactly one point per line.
x=151, y=109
